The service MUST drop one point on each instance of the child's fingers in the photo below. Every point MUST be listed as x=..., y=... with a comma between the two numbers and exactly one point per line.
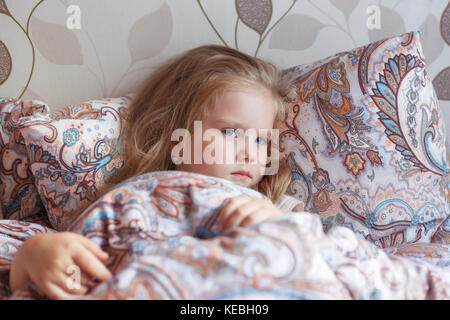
x=72, y=285
x=257, y=217
x=85, y=280
x=54, y=291
x=94, y=248
x=236, y=219
x=73, y=288
x=230, y=206
x=92, y=266
x=71, y=281
x=88, y=281
x=241, y=213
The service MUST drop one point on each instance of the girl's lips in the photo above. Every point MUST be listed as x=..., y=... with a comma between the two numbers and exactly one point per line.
x=242, y=174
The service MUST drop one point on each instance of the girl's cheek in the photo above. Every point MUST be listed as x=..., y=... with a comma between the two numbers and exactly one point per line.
x=229, y=151
x=262, y=156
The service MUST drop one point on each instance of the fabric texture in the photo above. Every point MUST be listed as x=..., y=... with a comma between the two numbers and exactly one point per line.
x=366, y=143
x=160, y=232
x=19, y=197
x=72, y=152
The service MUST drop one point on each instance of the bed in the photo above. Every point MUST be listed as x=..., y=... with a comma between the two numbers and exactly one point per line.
x=374, y=183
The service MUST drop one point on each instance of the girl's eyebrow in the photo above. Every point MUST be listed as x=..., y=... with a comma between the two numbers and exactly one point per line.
x=230, y=122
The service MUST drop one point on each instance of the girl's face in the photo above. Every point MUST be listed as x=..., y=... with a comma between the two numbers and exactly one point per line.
x=241, y=116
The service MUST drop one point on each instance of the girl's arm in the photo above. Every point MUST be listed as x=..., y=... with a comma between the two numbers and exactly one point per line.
x=47, y=260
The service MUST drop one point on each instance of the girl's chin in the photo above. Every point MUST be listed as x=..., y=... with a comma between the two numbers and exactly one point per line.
x=247, y=184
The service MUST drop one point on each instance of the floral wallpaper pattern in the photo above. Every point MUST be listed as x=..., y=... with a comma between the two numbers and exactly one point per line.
x=116, y=46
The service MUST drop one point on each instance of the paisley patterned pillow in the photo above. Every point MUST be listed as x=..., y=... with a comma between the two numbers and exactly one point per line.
x=71, y=152
x=19, y=197
x=366, y=142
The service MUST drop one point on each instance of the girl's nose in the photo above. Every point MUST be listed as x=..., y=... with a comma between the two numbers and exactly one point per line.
x=247, y=150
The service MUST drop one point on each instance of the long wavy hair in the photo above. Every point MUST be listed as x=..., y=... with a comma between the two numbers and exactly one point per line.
x=182, y=91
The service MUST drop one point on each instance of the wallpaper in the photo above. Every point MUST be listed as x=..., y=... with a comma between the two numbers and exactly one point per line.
x=63, y=52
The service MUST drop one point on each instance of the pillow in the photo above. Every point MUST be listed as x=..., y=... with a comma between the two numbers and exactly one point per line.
x=366, y=142
x=72, y=152
x=19, y=197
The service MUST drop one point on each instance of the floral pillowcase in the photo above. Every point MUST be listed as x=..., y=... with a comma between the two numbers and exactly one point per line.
x=71, y=152
x=19, y=197
x=366, y=143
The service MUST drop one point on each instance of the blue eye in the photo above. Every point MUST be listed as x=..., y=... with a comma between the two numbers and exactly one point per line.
x=232, y=132
x=229, y=132
x=260, y=141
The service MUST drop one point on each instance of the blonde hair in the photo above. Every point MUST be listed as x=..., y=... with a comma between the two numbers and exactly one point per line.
x=181, y=91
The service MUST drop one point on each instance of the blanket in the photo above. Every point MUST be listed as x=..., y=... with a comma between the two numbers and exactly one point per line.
x=163, y=242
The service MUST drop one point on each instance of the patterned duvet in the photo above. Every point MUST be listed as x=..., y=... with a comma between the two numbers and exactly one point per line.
x=159, y=230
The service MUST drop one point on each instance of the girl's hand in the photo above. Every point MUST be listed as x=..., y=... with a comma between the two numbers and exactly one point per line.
x=45, y=259
x=244, y=210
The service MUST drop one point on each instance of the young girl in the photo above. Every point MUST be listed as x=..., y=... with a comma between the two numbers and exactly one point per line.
x=228, y=91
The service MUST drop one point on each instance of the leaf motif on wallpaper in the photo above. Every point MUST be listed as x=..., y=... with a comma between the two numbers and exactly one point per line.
x=441, y=84
x=150, y=34
x=391, y=23
x=56, y=43
x=431, y=42
x=5, y=63
x=296, y=31
x=256, y=14
x=346, y=6
x=445, y=24
x=3, y=7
